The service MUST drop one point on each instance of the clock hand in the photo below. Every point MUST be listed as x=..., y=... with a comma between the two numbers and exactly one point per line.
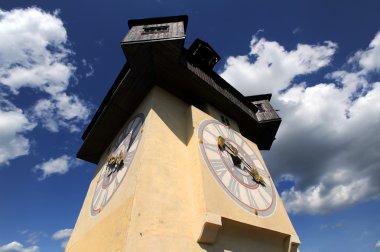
x=222, y=144
x=251, y=170
x=114, y=162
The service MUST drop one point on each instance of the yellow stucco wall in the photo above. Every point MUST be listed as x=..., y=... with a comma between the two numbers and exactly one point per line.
x=168, y=194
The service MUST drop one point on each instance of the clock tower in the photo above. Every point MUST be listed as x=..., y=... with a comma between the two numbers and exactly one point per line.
x=177, y=150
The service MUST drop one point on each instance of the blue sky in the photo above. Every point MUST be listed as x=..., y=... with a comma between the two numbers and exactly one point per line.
x=320, y=59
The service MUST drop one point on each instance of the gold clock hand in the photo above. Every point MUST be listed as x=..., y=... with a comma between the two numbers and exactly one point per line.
x=222, y=144
x=119, y=159
x=251, y=170
x=114, y=162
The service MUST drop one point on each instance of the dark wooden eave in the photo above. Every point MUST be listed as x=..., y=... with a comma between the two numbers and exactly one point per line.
x=106, y=99
x=260, y=97
x=166, y=64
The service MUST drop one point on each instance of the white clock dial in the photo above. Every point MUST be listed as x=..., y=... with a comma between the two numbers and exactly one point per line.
x=116, y=163
x=236, y=168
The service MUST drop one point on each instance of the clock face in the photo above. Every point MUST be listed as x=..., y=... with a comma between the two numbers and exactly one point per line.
x=116, y=163
x=236, y=168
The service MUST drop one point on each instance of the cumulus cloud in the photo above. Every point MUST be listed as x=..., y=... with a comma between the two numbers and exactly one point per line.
x=328, y=141
x=35, y=54
x=60, y=165
x=268, y=67
x=18, y=247
x=377, y=245
x=13, y=123
x=64, y=235
x=61, y=111
x=33, y=51
x=34, y=237
x=369, y=59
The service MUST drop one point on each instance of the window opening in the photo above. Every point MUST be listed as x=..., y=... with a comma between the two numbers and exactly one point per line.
x=155, y=29
x=260, y=107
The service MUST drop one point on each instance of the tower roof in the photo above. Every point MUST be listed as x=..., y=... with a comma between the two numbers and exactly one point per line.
x=159, y=20
x=158, y=57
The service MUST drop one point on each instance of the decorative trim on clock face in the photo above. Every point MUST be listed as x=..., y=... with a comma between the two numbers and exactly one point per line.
x=116, y=162
x=236, y=168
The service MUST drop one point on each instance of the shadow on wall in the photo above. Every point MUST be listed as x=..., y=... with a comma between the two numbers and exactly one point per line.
x=176, y=114
x=241, y=237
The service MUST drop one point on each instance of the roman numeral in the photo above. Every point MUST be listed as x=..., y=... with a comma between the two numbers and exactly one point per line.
x=97, y=197
x=209, y=146
x=217, y=164
x=261, y=172
x=133, y=124
x=253, y=157
x=217, y=127
x=136, y=128
x=128, y=158
x=102, y=172
x=220, y=170
x=266, y=202
x=116, y=183
x=98, y=188
x=210, y=132
x=242, y=142
x=234, y=187
x=104, y=201
x=231, y=135
x=251, y=199
x=268, y=187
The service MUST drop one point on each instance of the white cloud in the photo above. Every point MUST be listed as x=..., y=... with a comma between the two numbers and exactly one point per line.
x=369, y=59
x=296, y=30
x=34, y=237
x=37, y=57
x=62, y=111
x=274, y=67
x=90, y=68
x=70, y=107
x=328, y=141
x=331, y=141
x=13, y=123
x=286, y=177
x=64, y=244
x=377, y=246
x=18, y=247
x=34, y=53
x=45, y=111
x=23, y=231
x=336, y=225
x=319, y=199
x=60, y=165
x=64, y=235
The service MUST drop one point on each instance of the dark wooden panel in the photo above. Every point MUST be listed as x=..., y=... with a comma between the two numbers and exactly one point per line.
x=268, y=114
x=123, y=102
x=137, y=34
x=160, y=59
